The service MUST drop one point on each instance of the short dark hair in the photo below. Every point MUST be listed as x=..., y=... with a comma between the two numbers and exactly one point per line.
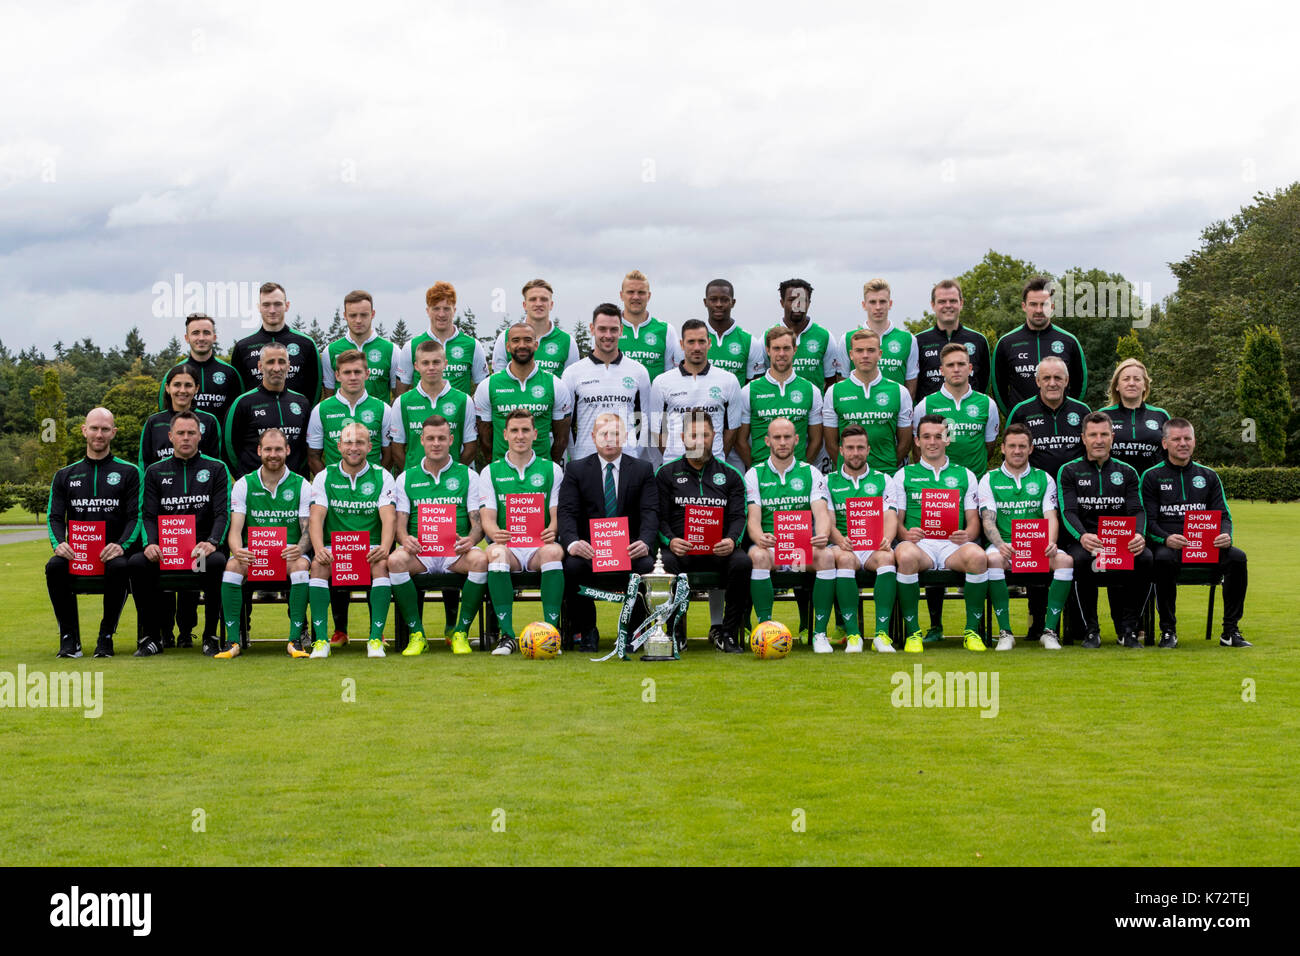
x=1095, y=418
x=358, y=295
x=607, y=308
x=697, y=416
x=200, y=317
x=437, y=421
x=519, y=413
x=731, y=291
x=945, y=284
x=852, y=431
x=795, y=284
x=1018, y=428
x=1175, y=423
x=950, y=348
x=183, y=369
x=1035, y=284
x=931, y=418
x=186, y=416
x=776, y=332
x=691, y=324
x=349, y=357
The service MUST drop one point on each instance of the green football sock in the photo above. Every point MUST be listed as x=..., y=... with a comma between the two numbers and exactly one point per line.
x=1001, y=601
x=760, y=591
x=297, y=607
x=884, y=592
x=408, y=602
x=471, y=599
x=319, y=599
x=823, y=598
x=846, y=600
x=909, y=596
x=232, y=606
x=381, y=596
x=977, y=589
x=1057, y=595
x=503, y=599
x=552, y=592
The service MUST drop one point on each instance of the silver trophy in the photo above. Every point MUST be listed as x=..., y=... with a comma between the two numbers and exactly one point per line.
x=656, y=632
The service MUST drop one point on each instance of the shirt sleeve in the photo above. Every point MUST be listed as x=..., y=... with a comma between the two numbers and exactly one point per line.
x=304, y=500
x=900, y=488
x=972, y=500
x=913, y=362
x=893, y=494
x=573, y=353
x=904, y=408
x=918, y=412
x=319, y=494
x=558, y=479
x=757, y=357
x=404, y=367
x=1049, y=498
x=402, y=502
x=994, y=423
x=820, y=488
x=732, y=390
x=487, y=494
x=644, y=400
x=326, y=370
x=386, y=426
x=751, y=487
x=483, y=404
x=386, y=496
x=987, y=501
x=397, y=425
x=499, y=357
x=563, y=401
x=468, y=427
x=673, y=353
x=315, y=430
x=656, y=411
x=239, y=496
x=473, y=499
x=479, y=371
x=831, y=364
x=815, y=410
x=829, y=418
x=742, y=406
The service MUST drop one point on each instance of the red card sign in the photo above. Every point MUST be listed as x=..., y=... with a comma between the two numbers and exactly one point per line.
x=1115, y=534
x=940, y=512
x=609, y=538
x=525, y=519
x=436, y=525
x=1200, y=528
x=350, y=568
x=267, y=545
x=866, y=522
x=176, y=538
x=703, y=528
x=1029, y=538
x=87, y=538
x=793, y=531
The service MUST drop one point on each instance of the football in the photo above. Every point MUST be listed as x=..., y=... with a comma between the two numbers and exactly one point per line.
x=770, y=640
x=539, y=641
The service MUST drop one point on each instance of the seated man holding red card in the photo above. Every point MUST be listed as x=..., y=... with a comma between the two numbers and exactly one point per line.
x=92, y=520
x=789, y=526
x=1101, y=505
x=351, y=526
x=438, y=531
x=520, y=496
x=1189, y=523
x=866, y=503
x=1018, y=508
x=609, y=516
x=184, y=512
x=940, y=518
x=269, y=512
x=701, y=522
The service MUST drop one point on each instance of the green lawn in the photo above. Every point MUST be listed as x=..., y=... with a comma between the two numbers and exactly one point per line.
x=581, y=769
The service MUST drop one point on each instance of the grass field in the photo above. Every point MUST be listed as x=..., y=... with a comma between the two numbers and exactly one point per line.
x=483, y=760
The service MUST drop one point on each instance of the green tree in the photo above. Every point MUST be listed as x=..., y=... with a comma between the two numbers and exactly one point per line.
x=1243, y=274
x=467, y=322
x=582, y=338
x=401, y=335
x=317, y=335
x=52, y=420
x=1262, y=392
x=135, y=346
x=338, y=328
x=1130, y=346
x=131, y=401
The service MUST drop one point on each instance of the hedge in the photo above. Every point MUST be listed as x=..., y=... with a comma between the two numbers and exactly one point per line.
x=1260, y=484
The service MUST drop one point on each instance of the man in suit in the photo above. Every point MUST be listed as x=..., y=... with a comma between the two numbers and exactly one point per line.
x=607, y=484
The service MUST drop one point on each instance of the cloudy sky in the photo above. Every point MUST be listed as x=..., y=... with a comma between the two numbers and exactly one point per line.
x=388, y=145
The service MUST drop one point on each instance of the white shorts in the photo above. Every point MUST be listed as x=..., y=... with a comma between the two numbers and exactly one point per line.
x=939, y=550
x=524, y=555
x=438, y=565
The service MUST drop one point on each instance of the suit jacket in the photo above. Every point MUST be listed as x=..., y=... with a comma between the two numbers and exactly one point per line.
x=582, y=497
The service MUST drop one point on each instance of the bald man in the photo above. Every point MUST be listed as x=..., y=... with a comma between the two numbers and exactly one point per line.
x=98, y=488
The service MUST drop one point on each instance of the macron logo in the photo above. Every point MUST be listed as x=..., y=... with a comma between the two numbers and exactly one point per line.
x=75, y=909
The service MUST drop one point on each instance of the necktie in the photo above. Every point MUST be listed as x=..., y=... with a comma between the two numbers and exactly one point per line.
x=611, y=496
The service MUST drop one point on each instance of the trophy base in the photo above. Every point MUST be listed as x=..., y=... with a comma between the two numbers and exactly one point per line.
x=657, y=657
